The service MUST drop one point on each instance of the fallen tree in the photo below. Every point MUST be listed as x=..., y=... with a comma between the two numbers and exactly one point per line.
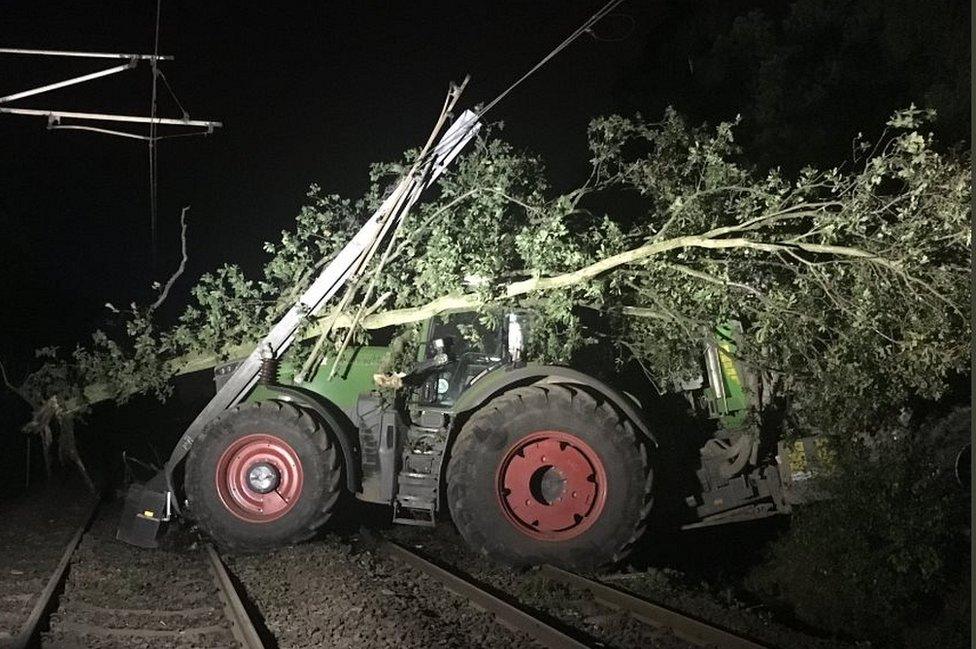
x=851, y=282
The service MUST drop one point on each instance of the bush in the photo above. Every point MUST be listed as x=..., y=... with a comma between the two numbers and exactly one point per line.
x=880, y=554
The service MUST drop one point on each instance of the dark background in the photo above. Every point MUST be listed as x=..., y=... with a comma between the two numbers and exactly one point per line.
x=315, y=91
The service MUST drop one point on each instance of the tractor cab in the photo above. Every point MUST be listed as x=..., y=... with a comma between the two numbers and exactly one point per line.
x=473, y=344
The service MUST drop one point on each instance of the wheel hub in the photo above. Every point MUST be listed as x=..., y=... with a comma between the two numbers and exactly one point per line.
x=552, y=485
x=259, y=478
x=263, y=478
x=548, y=484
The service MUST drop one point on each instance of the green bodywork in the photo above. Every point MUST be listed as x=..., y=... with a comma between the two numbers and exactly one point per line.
x=376, y=460
x=357, y=365
x=732, y=408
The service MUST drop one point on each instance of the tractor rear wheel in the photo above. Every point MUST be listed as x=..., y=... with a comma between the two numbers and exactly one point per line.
x=547, y=474
x=262, y=475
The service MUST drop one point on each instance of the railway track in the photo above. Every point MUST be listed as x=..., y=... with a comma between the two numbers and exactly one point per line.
x=36, y=595
x=546, y=633
x=684, y=626
x=105, y=594
x=507, y=613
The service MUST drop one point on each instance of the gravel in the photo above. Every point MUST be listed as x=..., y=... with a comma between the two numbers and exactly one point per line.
x=339, y=593
x=611, y=629
x=721, y=608
x=573, y=609
x=34, y=533
x=336, y=592
x=122, y=596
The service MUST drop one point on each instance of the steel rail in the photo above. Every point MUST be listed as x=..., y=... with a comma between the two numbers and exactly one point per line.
x=687, y=628
x=27, y=637
x=508, y=614
x=242, y=625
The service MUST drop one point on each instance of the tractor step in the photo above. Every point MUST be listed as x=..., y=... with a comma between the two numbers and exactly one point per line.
x=405, y=514
x=417, y=490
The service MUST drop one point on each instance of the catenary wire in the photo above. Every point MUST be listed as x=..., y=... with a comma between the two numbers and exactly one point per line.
x=584, y=28
x=153, y=179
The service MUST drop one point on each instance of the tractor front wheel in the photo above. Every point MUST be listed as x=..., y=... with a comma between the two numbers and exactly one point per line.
x=262, y=475
x=547, y=474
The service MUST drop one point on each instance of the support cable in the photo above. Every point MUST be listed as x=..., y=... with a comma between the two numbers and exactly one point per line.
x=153, y=181
x=586, y=27
x=179, y=104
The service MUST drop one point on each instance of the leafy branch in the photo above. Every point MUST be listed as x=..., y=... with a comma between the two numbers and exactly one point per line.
x=850, y=282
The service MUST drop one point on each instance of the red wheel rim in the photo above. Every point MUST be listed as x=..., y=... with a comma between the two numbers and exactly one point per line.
x=242, y=457
x=551, y=486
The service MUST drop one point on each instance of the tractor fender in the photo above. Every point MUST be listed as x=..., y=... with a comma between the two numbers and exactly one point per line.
x=501, y=380
x=345, y=432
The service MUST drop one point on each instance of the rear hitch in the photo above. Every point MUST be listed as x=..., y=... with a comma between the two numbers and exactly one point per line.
x=147, y=507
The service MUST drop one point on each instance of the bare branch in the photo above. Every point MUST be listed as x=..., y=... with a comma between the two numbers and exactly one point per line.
x=10, y=386
x=182, y=267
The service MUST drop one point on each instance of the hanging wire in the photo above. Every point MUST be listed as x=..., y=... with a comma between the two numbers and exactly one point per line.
x=586, y=27
x=153, y=180
x=179, y=104
x=631, y=27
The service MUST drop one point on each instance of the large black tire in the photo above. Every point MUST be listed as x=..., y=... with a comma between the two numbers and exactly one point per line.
x=318, y=463
x=476, y=495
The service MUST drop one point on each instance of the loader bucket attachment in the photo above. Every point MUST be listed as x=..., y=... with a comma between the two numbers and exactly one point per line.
x=147, y=507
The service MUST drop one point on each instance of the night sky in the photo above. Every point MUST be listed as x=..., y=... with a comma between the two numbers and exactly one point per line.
x=308, y=92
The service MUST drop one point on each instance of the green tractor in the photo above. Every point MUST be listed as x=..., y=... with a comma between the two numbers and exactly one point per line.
x=535, y=463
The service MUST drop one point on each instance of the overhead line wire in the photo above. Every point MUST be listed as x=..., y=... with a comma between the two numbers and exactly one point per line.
x=315, y=357
x=587, y=26
x=153, y=159
x=582, y=29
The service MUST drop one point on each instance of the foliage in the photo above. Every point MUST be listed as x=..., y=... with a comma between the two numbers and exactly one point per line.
x=878, y=556
x=230, y=310
x=850, y=281
x=850, y=284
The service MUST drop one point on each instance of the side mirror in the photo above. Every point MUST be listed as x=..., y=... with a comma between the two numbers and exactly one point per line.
x=516, y=339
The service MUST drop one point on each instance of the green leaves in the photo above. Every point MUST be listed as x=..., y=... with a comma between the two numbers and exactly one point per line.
x=851, y=282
